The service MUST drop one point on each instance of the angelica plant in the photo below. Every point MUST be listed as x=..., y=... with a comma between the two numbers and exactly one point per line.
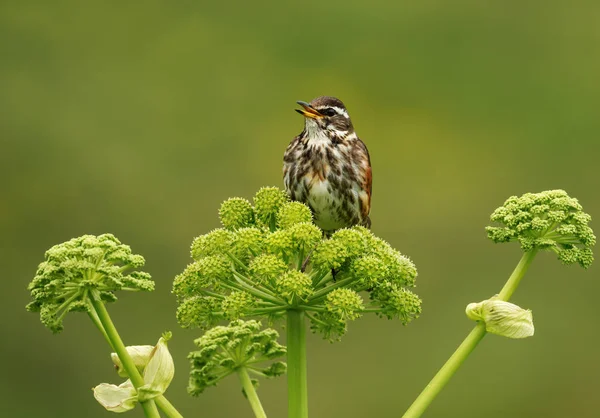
x=546, y=221
x=270, y=261
x=242, y=348
x=83, y=275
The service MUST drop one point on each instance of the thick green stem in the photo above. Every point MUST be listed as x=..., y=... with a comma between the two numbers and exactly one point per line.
x=259, y=412
x=467, y=346
x=296, y=362
x=117, y=344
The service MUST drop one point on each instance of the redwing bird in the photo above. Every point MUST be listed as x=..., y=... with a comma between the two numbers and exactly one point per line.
x=328, y=167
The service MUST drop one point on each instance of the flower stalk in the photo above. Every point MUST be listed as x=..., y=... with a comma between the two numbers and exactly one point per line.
x=116, y=343
x=549, y=220
x=270, y=261
x=443, y=376
x=296, y=361
x=251, y=394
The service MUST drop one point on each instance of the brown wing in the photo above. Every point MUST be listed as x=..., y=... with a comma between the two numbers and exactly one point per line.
x=290, y=165
x=367, y=184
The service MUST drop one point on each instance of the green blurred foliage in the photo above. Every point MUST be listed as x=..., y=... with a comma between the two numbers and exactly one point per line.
x=140, y=118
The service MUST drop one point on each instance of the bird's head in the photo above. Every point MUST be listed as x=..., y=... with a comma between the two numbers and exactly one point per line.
x=326, y=115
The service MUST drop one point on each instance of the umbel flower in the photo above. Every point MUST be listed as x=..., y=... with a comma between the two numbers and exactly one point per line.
x=239, y=347
x=81, y=270
x=550, y=220
x=269, y=257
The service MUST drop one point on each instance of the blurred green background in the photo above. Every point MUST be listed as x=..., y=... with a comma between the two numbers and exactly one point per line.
x=139, y=118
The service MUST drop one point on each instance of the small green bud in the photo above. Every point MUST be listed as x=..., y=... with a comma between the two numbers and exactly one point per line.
x=502, y=318
x=266, y=268
x=237, y=304
x=352, y=239
x=396, y=302
x=280, y=243
x=249, y=241
x=236, y=213
x=305, y=235
x=344, y=303
x=199, y=312
x=206, y=272
x=216, y=242
x=267, y=202
x=329, y=254
x=369, y=270
x=401, y=269
x=294, y=286
x=293, y=213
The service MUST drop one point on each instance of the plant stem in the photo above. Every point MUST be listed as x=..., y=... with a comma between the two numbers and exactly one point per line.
x=117, y=344
x=94, y=317
x=167, y=407
x=259, y=412
x=467, y=346
x=296, y=362
x=162, y=402
x=515, y=278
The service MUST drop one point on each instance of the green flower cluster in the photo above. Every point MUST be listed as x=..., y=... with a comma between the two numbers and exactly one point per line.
x=549, y=220
x=224, y=350
x=270, y=257
x=84, y=267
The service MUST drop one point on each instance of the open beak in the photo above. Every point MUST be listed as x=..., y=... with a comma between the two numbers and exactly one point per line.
x=308, y=111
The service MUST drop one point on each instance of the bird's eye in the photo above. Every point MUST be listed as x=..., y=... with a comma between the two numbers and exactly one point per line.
x=328, y=111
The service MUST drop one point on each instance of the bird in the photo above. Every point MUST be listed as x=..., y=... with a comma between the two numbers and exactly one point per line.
x=328, y=168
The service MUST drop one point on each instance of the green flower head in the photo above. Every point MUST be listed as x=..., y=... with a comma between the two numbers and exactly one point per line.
x=223, y=350
x=293, y=213
x=549, y=220
x=267, y=203
x=271, y=257
x=83, y=268
x=236, y=213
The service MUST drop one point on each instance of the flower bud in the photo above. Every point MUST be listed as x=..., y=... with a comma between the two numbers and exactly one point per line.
x=329, y=254
x=293, y=213
x=344, y=304
x=267, y=202
x=215, y=242
x=353, y=240
x=502, y=318
x=293, y=286
x=237, y=304
x=266, y=268
x=236, y=213
x=306, y=235
x=248, y=241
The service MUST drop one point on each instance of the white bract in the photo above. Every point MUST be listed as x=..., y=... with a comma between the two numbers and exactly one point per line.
x=140, y=354
x=157, y=367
